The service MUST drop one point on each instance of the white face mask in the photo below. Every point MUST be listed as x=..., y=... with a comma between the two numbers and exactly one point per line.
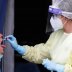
x=56, y=23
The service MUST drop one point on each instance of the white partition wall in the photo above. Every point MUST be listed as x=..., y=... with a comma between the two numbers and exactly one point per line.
x=8, y=59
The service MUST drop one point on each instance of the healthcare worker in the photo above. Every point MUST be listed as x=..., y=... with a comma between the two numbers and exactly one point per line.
x=56, y=53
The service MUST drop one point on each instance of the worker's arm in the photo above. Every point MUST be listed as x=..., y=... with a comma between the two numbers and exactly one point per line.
x=33, y=53
x=50, y=65
x=40, y=51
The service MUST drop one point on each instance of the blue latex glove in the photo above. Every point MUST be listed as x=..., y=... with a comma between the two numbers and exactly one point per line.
x=50, y=65
x=12, y=40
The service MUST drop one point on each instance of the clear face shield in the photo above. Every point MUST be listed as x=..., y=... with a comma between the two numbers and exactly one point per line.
x=54, y=8
x=55, y=21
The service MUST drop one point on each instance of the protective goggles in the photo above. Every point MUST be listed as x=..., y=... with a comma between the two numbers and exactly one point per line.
x=58, y=11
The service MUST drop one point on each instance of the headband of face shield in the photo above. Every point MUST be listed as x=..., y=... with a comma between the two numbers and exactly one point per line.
x=61, y=7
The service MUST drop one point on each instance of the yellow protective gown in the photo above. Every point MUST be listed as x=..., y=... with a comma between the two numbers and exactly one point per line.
x=58, y=48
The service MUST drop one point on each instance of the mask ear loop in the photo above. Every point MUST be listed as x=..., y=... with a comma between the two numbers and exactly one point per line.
x=65, y=19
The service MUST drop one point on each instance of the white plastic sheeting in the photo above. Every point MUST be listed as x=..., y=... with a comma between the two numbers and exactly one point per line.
x=8, y=59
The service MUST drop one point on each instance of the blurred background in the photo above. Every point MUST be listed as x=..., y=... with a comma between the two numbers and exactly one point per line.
x=30, y=25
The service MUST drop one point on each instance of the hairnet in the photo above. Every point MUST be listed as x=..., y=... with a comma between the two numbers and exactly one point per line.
x=64, y=7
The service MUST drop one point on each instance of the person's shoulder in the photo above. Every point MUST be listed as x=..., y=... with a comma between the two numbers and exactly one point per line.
x=60, y=31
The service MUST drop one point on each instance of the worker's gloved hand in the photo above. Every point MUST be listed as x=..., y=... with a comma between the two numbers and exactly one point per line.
x=50, y=65
x=12, y=40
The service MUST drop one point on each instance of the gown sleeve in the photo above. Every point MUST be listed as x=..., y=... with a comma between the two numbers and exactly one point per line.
x=68, y=65
x=38, y=52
